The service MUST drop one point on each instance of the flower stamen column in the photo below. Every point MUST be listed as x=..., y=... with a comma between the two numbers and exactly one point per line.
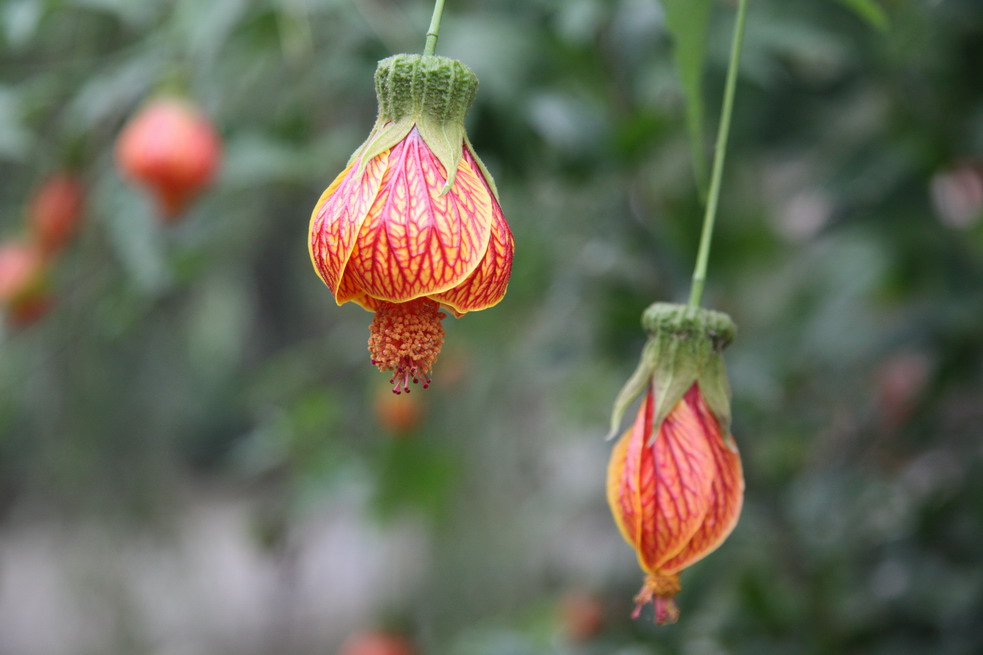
x=405, y=338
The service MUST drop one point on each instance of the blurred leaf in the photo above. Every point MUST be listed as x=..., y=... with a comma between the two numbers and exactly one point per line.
x=136, y=235
x=106, y=94
x=207, y=26
x=688, y=22
x=215, y=336
x=14, y=139
x=254, y=158
x=868, y=10
x=20, y=22
x=294, y=437
x=414, y=475
x=134, y=13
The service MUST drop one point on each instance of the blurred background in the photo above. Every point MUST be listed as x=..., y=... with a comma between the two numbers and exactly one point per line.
x=196, y=457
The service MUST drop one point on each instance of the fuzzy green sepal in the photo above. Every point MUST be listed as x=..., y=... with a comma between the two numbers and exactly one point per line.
x=685, y=346
x=430, y=93
x=439, y=88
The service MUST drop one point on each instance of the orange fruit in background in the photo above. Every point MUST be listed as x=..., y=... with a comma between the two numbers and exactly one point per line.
x=55, y=211
x=23, y=288
x=581, y=615
x=399, y=414
x=377, y=643
x=171, y=148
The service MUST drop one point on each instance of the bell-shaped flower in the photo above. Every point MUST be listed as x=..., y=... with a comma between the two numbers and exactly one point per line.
x=413, y=223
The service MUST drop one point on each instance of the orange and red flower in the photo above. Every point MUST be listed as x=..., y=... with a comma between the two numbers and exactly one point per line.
x=675, y=484
x=413, y=223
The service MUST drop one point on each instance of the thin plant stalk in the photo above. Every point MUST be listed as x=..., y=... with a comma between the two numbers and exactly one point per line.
x=434, y=32
x=703, y=255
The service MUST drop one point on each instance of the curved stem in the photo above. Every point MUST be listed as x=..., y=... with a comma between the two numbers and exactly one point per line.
x=703, y=255
x=434, y=31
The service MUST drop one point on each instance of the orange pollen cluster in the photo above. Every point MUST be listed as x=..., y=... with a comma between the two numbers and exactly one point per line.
x=405, y=338
x=660, y=589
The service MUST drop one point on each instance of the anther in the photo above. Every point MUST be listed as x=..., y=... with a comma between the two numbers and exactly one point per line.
x=405, y=338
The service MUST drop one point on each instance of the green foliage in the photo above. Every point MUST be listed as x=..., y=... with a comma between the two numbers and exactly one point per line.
x=870, y=11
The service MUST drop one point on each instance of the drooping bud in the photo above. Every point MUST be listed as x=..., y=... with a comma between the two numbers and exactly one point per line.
x=675, y=484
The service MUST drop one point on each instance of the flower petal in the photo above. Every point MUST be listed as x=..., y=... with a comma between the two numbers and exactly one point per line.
x=415, y=241
x=338, y=216
x=486, y=286
x=726, y=491
x=623, y=492
x=659, y=492
x=683, y=466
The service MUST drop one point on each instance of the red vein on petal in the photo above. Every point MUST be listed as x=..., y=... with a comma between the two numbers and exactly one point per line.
x=616, y=491
x=633, y=486
x=486, y=286
x=416, y=242
x=726, y=492
x=684, y=467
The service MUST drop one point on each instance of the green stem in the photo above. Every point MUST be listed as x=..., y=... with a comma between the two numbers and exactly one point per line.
x=700, y=272
x=434, y=31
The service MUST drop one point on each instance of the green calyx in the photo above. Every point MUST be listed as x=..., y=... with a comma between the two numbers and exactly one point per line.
x=438, y=88
x=685, y=346
x=430, y=93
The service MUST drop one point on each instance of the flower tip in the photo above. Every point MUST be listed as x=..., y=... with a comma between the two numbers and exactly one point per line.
x=660, y=590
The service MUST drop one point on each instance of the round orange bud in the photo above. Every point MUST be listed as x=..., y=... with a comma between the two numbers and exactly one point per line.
x=582, y=616
x=171, y=148
x=55, y=211
x=377, y=643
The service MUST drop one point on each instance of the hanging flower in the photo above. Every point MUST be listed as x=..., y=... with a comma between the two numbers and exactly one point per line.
x=413, y=223
x=171, y=148
x=675, y=484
